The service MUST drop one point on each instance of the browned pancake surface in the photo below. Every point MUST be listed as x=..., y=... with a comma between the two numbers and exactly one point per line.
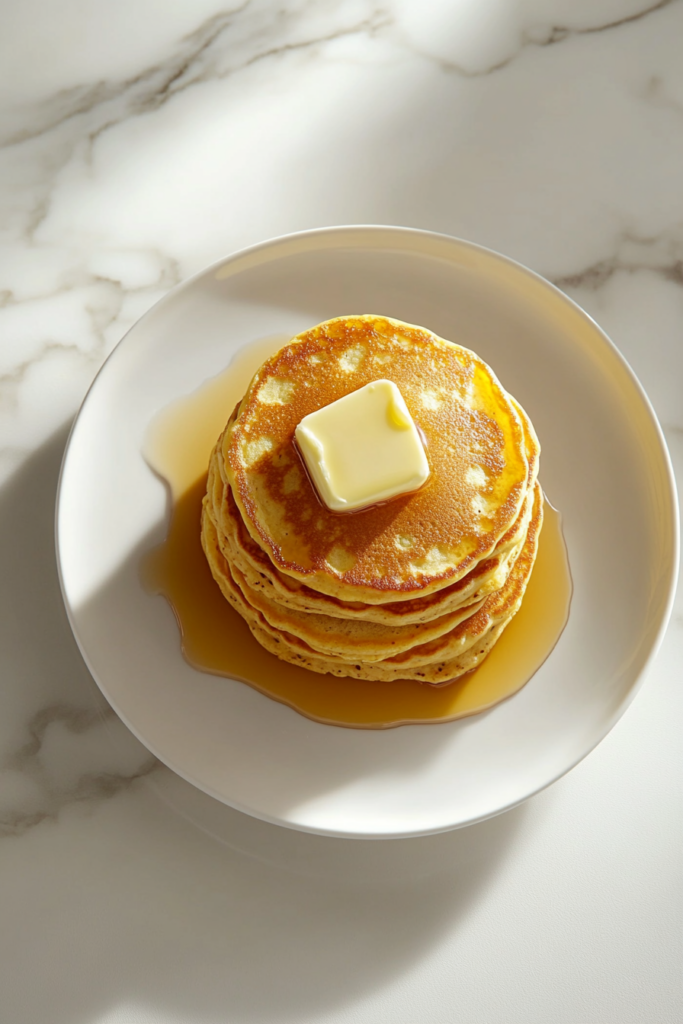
x=413, y=545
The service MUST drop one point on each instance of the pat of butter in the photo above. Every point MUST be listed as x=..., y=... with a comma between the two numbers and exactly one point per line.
x=363, y=448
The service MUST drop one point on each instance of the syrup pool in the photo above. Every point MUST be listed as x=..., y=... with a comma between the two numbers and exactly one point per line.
x=215, y=639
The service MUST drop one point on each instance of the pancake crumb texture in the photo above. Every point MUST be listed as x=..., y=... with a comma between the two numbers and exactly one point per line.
x=420, y=587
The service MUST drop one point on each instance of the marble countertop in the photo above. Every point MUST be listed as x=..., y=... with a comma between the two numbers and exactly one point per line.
x=138, y=143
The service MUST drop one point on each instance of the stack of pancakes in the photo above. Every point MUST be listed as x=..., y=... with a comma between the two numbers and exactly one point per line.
x=418, y=588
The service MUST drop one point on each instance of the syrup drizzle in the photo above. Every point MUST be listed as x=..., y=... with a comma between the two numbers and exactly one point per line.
x=215, y=639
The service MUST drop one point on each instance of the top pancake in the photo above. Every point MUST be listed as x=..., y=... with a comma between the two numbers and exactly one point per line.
x=416, y=544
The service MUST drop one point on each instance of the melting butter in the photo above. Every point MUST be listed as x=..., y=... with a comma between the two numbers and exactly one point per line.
x=363, y=448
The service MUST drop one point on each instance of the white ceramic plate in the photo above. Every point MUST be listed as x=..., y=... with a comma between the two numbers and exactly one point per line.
x=604, y=465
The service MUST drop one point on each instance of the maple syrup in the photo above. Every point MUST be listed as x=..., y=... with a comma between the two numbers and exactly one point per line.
x=215, y=639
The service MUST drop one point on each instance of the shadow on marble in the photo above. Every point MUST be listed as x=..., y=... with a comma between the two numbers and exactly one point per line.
x=59, y=741
x=39, y=652
x=134, y=913
x=120, y=903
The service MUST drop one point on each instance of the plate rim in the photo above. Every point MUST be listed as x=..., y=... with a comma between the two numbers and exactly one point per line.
x=352, y=232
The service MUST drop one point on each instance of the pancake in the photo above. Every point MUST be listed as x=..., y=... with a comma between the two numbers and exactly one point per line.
x=446, y=672
x=418, y=588
x=416, y=544
x=349, y=638
x=260, y=574
x=438, y=660
x=531, y=443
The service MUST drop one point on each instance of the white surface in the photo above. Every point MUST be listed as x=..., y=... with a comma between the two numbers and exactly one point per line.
x=604, y=466
x=153, y=145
